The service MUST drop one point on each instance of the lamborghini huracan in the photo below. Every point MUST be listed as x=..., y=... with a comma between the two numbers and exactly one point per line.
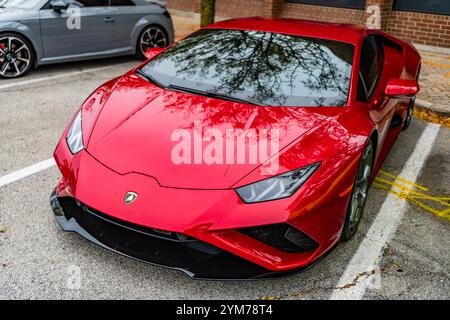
x=335, y=97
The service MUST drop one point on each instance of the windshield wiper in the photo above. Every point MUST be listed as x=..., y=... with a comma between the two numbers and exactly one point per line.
x=231, y=98
x=211, y=94
x=194, y=91
x=149, y=78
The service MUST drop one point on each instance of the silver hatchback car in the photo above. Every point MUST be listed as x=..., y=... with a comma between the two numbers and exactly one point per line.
x=38, y=32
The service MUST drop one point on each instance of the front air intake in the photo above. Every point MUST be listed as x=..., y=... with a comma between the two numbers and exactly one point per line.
x=283, y=237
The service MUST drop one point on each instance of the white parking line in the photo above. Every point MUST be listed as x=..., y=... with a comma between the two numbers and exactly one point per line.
x=47, y=78
x=25, y=172
x=359, y=272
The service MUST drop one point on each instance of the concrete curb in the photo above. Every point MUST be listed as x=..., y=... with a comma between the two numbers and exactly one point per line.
x=431, y=107
x=422, y=47
x=428, y=112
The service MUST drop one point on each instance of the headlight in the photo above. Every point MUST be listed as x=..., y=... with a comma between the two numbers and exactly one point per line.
x=279, y=187
x=75, y=135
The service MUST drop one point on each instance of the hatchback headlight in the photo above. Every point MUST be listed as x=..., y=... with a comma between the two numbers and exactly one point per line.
x=279, y=187
x=74, y=137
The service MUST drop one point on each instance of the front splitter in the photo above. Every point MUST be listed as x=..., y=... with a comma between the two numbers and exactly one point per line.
x=153, y=250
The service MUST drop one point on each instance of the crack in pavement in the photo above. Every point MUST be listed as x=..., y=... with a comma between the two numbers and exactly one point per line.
x=318, y=289
x=387, y=250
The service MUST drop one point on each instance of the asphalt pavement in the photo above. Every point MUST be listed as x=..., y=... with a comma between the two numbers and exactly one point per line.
x=38, y=260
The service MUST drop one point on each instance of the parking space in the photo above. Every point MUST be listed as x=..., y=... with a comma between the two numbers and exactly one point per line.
x=37, y=259
x=36, y=108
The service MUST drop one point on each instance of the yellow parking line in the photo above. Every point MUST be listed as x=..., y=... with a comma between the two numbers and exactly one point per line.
x=394, y=184
x=414, y=194
x=407, y=190
x=435, y=64
x=418, y=186
x=436, y=199
x=404, y=195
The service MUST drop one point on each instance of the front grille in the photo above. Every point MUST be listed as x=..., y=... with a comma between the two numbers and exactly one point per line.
x=171, y=236
x=196, y=258
x=283, y=237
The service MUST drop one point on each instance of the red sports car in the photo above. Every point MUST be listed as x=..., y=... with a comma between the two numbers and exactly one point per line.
x=245, y=150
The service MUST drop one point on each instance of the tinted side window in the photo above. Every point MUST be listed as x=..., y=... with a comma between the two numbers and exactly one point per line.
x=122, y=3
x=94, y=3
x=362, y=91
x=371, y=64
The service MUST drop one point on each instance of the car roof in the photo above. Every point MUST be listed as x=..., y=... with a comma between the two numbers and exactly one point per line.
x=325, y=30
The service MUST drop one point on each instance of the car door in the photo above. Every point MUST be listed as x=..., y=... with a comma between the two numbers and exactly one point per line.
x=126, y=14
x=371, y=84
x=61, y=37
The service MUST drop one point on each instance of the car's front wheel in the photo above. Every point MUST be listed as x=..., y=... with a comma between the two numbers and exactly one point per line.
x=16, y=56
x=151, y=37
x=359, y=193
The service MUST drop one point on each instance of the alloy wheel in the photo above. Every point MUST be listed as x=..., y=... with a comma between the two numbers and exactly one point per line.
x=153, y=37
x=360, y=189
x=15, y=57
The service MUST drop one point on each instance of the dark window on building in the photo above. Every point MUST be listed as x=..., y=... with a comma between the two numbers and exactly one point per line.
x=94, y=3
x=352, y=4
x=122, y=3
x=426, y=6
x=370, y=67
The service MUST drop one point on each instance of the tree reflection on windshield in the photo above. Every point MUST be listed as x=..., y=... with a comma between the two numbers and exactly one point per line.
x=267, y=68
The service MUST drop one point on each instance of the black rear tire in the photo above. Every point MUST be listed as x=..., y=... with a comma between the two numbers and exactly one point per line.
x=409, y=113
x=412, y=102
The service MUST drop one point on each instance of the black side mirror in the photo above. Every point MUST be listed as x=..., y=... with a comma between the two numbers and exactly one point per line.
x=58, y=6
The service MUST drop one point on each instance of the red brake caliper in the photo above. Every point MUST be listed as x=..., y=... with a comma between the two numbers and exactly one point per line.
x=2, y=52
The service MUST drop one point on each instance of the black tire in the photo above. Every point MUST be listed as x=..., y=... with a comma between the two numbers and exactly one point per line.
x=18, y=60
x=411, y=105
x=409, y=113
x=153, y=36
x=360, y=187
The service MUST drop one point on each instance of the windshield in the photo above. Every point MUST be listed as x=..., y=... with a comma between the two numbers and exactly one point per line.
x=20, y=4
x=265, y=68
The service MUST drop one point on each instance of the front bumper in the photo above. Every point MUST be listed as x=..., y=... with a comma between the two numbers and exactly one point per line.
x=216, y=219
x=195, y=258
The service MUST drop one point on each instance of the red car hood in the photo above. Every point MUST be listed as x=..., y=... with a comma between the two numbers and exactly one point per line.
x=134, y=129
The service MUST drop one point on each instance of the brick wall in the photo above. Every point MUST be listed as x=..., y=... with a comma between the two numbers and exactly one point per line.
x=422, y=28
x=239, y=8
x=428, y=29
x=321, y=13
x=183, y=5
x=224, y=8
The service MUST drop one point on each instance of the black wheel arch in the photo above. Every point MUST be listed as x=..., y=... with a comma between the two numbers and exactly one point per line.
x=374, y=138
